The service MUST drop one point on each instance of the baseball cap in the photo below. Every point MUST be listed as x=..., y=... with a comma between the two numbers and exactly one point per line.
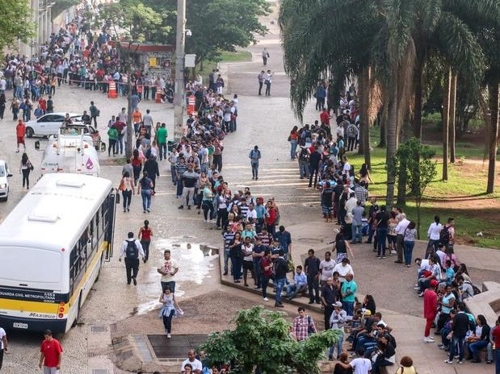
x=433, y=283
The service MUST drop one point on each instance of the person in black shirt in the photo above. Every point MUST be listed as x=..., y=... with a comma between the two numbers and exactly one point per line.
x=459, y=328
x=311, y=268
x=381, y=222
x=329, y=295
x=314, y=161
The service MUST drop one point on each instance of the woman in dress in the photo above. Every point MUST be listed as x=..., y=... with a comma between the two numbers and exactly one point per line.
x=168, y=310
x=25, y=168
x=127, y=189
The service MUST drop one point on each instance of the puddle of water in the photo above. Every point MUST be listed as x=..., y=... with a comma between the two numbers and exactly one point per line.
x=195, y=264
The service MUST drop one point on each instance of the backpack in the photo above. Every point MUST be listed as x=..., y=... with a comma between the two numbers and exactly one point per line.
x=132, y=252
x=444, y=235
x=351, y=131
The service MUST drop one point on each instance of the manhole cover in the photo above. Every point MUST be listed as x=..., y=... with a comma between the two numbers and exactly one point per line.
x=177, y=347
x=98, y=328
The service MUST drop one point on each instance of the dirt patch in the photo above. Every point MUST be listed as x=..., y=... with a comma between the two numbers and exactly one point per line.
x=204, y=314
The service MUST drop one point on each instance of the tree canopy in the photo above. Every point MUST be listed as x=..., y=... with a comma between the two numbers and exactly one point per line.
x=15, y=22
x=262, y=338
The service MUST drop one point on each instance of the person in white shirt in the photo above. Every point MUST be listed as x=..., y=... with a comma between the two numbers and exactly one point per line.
x=168, y=268
x=195, y=364
x=3, y=345
x=326, y=267
x=433, y=233
x=343, y=269
x=400, y=233
x=360, y=365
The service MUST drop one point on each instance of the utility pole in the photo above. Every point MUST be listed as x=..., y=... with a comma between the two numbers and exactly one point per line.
x=179, y=100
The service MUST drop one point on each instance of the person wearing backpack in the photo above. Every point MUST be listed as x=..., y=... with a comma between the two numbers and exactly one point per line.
x=447, y=234
x=352, y=133
x=131, y=250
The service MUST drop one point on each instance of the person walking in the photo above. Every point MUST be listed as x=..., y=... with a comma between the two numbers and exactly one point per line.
x=255, y=156
x=131, y=250
x=3, y=345
x=127, y=189
x=161, y=137
x=145, y=187
x=145, y=234
x=265, y=56
x=280, y=269
x=94, y=113
x=168, y=309
x=303, y=325
x=20, y=134
x=168, y=268
x=25, y=168
x=50, y=354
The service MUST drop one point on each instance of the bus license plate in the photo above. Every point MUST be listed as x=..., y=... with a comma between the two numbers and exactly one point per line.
x=20, y=325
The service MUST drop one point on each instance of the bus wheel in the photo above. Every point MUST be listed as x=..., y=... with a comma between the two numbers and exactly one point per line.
x=75, y=322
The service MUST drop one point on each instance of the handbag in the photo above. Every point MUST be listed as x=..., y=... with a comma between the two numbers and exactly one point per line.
x=289, y=137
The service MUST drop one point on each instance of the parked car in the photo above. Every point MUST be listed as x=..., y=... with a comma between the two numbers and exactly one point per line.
x=4, y=180
x=50, y=123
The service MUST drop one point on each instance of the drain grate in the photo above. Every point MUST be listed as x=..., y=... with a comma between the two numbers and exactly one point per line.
x=177, y=347
x=98, y=328
x=100, y=371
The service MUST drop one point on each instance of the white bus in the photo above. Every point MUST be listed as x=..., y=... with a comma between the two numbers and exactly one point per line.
x=52, y=246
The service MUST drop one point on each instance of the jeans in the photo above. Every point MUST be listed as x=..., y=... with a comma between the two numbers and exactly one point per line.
x=163, y=150
x=357, y=235
x=167, y=321
x=313, y=285
x=408, y=246
x=180, y=189
x=146, y=199
x=255, y=170
x=208, y=206
x=293, y=148
x=338, y=345
x=399, y=247
x=226, y=260
x=189, y=193
x=497, y=361
x=280, y=283
x=173, y=174
x=292, y=290
x=348, y=306
x=304, y=169
x=265, y=283
x=457, y=343
x=119, y=144
x=257, y=271
x=127, y=199
x=381, y=237
x=236, y=265
x=313, y=174
x=145, y=246
x=170, y=284
x=476, y=347
x=222, y=215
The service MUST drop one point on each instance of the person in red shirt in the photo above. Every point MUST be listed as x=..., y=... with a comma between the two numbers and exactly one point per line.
x=43, y=104
x=430, y=309
x=495, y=337
x=266, y=265
x=145, y=234
x=325, y=121
x=50, y=354
x=20, y=133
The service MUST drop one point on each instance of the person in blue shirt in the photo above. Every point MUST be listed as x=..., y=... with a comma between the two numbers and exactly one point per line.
x=285, y=240
x=299, y=286
x=450, y=273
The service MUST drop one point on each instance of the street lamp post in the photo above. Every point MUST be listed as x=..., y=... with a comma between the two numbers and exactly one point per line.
x=179, y=101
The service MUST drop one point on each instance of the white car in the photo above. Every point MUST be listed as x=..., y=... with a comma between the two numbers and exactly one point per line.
x=49, y=124
x=4, y=180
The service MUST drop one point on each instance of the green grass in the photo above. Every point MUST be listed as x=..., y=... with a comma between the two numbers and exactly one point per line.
x=461, y=190
x=238, y=56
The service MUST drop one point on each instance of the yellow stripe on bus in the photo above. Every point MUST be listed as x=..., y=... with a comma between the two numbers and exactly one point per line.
x=29, y=306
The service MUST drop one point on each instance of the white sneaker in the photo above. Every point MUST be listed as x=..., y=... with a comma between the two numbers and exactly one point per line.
x=393, y=252
x=265, y=299
x=416, y=288
x=428, y=340
x=169, y=336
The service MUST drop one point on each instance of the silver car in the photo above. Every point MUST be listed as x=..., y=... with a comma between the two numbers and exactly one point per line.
x=4, y=180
